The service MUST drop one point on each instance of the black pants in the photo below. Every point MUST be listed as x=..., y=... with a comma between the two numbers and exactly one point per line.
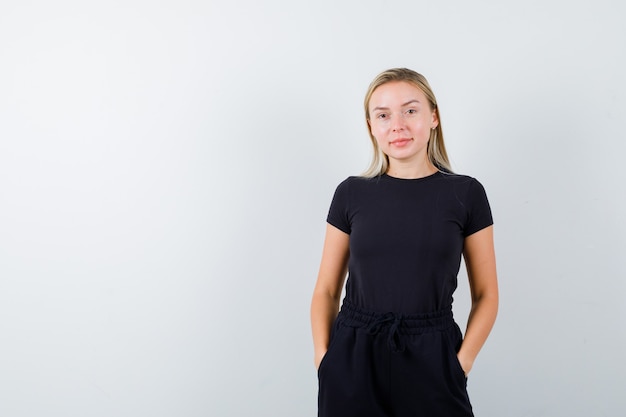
x=389, y=365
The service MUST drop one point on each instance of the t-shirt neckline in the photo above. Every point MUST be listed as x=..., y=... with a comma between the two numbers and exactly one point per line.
x=427, y=177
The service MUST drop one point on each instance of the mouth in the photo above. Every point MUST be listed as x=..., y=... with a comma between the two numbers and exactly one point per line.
x=400, y=142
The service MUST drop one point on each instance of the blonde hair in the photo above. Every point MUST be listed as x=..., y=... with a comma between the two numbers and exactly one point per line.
x=436, y=150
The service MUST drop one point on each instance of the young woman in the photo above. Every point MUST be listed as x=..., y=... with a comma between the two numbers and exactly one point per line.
x=398, y=232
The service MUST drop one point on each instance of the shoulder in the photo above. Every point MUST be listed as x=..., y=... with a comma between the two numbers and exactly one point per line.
x=356, y=182
x=471, y=195
x=466, y=190
x=354, y=179
x=455, y=177
x=460, y=181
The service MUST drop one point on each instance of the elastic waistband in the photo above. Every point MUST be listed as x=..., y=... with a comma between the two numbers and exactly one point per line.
x=354, y=316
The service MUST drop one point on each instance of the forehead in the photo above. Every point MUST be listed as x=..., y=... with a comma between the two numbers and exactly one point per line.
x=396, y=93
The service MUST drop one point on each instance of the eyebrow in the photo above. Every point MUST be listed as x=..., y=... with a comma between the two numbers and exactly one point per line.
x=403, y=105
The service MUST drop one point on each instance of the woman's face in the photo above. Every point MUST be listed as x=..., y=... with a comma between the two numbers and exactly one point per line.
x=401, y=120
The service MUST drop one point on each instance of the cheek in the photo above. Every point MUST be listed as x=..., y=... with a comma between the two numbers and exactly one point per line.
x=378, y=131
x=379, y=138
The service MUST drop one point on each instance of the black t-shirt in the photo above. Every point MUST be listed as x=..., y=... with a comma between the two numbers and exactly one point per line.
x=406, y=238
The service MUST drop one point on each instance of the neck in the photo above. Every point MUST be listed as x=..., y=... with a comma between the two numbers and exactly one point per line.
x=410, y=171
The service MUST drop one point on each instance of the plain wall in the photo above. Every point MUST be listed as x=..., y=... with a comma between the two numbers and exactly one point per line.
x=166, y=169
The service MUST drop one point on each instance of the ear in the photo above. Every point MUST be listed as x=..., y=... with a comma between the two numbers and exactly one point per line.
x=435, y=121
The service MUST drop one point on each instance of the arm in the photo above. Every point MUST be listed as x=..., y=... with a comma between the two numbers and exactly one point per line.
x=327, y=293
x=480, y=260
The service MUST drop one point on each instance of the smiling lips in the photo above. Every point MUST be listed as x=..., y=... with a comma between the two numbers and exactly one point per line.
x=400, y=142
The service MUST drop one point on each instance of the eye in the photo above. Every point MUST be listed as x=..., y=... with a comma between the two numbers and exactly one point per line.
x=411, y=111
x=382, y=116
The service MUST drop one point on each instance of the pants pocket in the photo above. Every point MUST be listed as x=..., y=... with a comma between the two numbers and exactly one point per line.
x=454, y=340
x=333, y=338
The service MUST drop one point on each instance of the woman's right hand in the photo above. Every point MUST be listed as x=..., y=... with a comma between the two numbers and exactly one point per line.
x=328, y=288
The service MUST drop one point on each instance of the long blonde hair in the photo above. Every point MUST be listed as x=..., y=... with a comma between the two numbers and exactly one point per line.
x=436, y=150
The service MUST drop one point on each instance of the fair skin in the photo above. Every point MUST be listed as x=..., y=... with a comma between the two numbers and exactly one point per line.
x=400, y=121
x=327, y=293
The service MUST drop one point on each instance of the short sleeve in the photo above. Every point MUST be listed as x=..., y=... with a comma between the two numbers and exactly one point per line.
x=479, y=211
x=338, y=214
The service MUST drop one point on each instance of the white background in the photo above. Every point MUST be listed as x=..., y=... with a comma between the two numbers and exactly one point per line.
x=166, y=168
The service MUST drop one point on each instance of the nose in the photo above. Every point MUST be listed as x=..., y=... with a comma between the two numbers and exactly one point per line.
x=397, y=124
